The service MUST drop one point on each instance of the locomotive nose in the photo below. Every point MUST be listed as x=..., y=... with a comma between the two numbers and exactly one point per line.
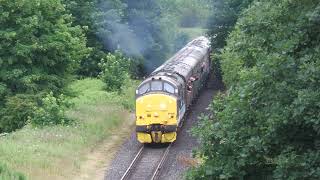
x=155, y=109
x=156, y=113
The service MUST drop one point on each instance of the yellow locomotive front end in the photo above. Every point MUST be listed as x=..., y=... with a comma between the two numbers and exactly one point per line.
x=156, y=113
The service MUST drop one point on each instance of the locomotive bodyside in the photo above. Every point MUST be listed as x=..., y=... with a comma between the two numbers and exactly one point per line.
x=163, y=98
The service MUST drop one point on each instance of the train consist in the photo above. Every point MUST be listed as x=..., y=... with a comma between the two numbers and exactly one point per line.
x=163, y=99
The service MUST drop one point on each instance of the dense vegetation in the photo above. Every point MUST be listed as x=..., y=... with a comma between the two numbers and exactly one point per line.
x=267, y=124
x=40, y=48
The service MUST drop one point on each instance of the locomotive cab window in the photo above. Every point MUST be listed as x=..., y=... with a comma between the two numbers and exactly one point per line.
x=156, y=86
x=144, y=88
x=168, y=88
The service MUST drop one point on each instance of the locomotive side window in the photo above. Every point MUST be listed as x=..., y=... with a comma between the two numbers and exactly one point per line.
x=156, y=86
x=144, y=88
x=168, y=88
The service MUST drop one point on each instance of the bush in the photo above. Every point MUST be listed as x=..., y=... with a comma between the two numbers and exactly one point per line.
x=267, y=125
x=3, y=92
x=114, y=71
x=51, y=111
x=15, y=112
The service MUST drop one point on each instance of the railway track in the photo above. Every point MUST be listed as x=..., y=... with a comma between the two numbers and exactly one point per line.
x=147, y=163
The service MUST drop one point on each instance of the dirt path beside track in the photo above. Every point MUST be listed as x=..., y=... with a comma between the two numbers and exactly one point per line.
x=100, y=158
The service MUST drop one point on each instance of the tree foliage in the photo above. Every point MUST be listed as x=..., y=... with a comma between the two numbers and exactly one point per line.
x=51, y=111
x=97, y=18
x=267, y=125
x=15, y=111
x=188, y=13
x=114, y=71
x=39, y=46
x=40, y=49
x=223, y=18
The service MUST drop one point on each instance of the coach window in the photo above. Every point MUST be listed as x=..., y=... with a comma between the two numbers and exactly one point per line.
x=144, y=88
x=156, y=86
x=168, y=87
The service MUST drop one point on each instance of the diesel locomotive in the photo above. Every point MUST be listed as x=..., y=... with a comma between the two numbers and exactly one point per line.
x=163, y=98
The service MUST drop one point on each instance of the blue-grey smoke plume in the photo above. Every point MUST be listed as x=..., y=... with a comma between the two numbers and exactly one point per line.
x=133, y=29
x=114, y=33
x=139, y=29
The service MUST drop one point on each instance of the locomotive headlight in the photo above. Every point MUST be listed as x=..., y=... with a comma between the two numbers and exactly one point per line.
x=163, y=106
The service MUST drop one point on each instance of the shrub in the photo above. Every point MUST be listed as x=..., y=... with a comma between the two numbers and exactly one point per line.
x=51, y=111
x=15, y=112
x=114, y=71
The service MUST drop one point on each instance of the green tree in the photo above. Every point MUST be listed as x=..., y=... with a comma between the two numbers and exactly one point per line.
x=39, y=45
x=223, y=18
x=267, y=124
x=144, y=19
x=39, y=50
x=97, y=18
x=114, y=71
x=83, y=15
x=225, y=14
x=15, y=111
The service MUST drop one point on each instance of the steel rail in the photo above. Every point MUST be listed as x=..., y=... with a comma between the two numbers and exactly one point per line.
x=132, y=165
x=161, y=163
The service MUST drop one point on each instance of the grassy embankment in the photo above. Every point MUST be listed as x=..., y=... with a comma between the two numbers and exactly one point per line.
x=57, y=152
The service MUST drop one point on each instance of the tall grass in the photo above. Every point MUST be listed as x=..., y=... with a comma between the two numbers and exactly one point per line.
x=5, y=173
x=56, y=152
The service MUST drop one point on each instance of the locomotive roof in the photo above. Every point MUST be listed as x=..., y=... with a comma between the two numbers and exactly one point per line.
x=184, y=61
